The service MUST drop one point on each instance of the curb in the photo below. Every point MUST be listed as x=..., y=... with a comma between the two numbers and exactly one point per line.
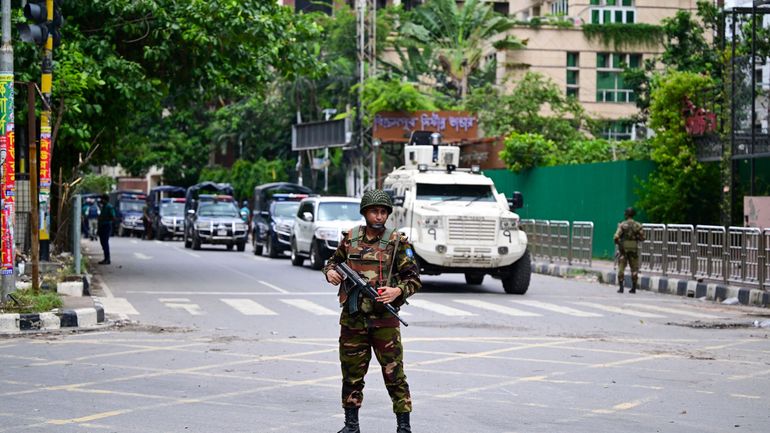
x=665, y=285
x=72, y=318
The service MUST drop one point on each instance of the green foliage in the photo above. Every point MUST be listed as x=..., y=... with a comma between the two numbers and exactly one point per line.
x=393, y=95
x=94, y=183
x=446, y=42
x=686, y=48
x=621, y=35
x=527, y=150
x=245, y=175
x=682, y=189
x=28, y=301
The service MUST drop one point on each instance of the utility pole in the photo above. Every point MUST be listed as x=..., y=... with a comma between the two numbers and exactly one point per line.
x=7, y=152
x=46, y=145
x=366, y=24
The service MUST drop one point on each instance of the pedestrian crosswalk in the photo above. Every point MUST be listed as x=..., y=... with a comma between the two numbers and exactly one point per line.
x=324, y=305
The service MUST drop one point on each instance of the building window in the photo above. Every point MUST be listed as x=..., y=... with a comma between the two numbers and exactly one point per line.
x=618, y=130
x=573, y=74
x=613, y=11
x=609, y=76
x=560, y=8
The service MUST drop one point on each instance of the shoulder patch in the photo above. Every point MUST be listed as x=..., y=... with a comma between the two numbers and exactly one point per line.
x=409, y=253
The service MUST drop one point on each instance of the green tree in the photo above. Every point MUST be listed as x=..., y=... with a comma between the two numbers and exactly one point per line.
x=681, y=189
x=451, y=39
x=393, y=95
x=245, y=175
x=523, y=151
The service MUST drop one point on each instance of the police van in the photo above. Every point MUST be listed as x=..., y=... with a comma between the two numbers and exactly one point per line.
x=456, y=220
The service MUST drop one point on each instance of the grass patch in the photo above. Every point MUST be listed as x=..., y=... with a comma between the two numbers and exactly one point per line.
x=27, y=301
x=574, y=272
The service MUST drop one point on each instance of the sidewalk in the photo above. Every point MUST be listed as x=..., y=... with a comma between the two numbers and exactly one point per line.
x=680, y=286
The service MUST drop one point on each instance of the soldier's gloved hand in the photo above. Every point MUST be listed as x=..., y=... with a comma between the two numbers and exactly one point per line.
x=388, y=294
x=334, y=277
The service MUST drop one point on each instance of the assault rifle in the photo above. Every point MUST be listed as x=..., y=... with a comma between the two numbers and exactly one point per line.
x=361, y=285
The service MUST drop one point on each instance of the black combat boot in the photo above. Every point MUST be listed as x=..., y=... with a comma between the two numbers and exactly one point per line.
x=351, y=421
x=633, y=288
x=402, y=419
x=620, y=287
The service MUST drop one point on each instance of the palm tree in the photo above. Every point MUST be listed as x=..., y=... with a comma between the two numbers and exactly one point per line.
x=455, y=37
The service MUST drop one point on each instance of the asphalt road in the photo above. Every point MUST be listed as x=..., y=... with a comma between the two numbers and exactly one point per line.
x=219, y=341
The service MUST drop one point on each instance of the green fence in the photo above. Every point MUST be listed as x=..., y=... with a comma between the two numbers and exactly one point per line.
x=589, y=192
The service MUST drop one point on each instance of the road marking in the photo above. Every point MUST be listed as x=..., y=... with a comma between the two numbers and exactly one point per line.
x=311, y=307
x=557, y=308
x=212, y=293
x=141, y=256
x=93, y=417
x=622, y=406
x=188, y=252
x=104, y=286
x=249, y=307
x=673, y=311
x=117, y=306
x=502, y=309
x=438, y=308
x=274, y=287
x=620, y=310
x=182, y=304
x=751, y=397
x=134, y=241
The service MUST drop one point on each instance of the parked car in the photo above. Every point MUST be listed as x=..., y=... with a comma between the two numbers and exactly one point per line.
x=165, y=209
x=272, y=227
x=216, y=221
x=193, y=198
x=318, y=227
x=129, y=207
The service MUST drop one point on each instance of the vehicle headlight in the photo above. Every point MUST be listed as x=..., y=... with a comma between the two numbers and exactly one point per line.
x=327, y=234
x=202, y=226
x=241, y=227
x=509, y=223
x=431, y=222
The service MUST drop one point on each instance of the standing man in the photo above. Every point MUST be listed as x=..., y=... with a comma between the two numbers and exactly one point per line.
x=627, y=237
x=386, y=260
x=106, y=218
x=93, y=219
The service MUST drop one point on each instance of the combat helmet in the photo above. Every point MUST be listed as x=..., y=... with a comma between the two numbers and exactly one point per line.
x=376, y=197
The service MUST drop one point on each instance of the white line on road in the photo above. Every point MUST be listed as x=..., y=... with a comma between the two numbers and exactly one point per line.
x=173, y=300
x=188, y=252
x=502, y=309
x=310, y=307
x=557, y=308
x=249, y=307
x=141, y=256
x=438, y=308
x=193, y=309
x=274, y=287
x=620, y=310
x=103, y=285
x=211, y=293
x=117, y=306
x=674, y=311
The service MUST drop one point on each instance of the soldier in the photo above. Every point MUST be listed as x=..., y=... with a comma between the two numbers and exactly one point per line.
x=627, y=237
x=366, y=325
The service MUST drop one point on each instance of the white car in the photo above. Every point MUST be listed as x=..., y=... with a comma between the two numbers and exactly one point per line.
x=318, y=227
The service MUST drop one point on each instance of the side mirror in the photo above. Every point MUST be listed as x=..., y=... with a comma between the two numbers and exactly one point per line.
x=398, y=200
x=307, y=216
x=516, y=201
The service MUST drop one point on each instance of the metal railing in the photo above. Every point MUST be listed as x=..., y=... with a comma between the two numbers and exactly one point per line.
x=559, y=240
x=731, y=255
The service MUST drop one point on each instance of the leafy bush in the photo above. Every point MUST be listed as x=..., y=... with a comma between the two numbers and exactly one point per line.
x=524, y=151
x=27, y=301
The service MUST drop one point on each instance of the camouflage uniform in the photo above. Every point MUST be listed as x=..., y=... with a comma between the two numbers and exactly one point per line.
x=627, y=237
x=373, y=327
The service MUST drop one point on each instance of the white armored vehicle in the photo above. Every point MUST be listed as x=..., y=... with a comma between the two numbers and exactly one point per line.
x=456, y=220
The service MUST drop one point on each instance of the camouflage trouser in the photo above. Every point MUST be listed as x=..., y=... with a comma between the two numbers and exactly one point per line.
x=355, y=353
x=632, y=257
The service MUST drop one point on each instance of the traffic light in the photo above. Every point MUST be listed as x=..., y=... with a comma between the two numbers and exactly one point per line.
x=40, y=28
x=36, y=32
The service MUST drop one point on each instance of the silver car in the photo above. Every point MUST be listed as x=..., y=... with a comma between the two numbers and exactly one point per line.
x=218, y=222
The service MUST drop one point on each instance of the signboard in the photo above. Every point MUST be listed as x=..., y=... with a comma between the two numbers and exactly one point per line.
x=756, y=212
x=319, y=135
x=454, y=126
x=7, y=151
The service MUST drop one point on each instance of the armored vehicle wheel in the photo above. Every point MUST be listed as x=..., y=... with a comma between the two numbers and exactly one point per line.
x=517, y=281
x=474, y=279
x=296, y=259
x=229, y=247
x=241, y=246
x=316, y=261
x=196, y=243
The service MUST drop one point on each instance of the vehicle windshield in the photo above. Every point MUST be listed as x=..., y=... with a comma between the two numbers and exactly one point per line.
x=285, y=209
x=339, y=212
x=174, y=209
x=436, y=192
x=131, y=206
x=221, y=209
